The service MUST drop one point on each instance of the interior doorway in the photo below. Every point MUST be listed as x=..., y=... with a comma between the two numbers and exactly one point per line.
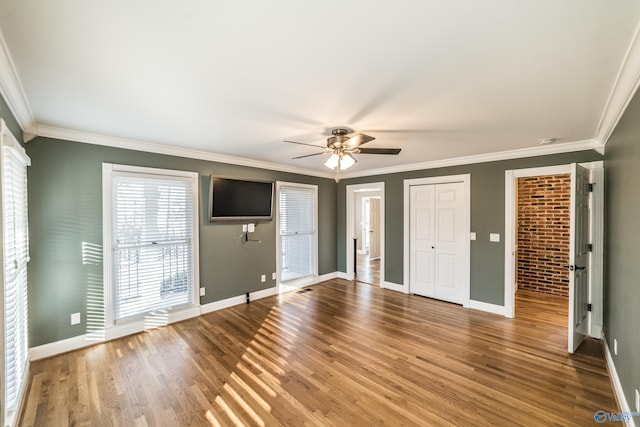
x=365, y=233
x=547, y=253
x=542, y=228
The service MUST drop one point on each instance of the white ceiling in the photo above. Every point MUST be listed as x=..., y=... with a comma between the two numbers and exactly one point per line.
x=440, y=79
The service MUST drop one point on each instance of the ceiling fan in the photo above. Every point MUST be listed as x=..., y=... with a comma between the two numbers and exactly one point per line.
x=342, y=147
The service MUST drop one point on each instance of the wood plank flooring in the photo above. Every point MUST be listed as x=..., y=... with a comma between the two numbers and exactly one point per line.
x=344, y=354
x=368, y=270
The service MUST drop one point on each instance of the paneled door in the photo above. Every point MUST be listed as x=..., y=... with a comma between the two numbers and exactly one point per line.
x=374, y=228
x=436, y=222
x=579, y=259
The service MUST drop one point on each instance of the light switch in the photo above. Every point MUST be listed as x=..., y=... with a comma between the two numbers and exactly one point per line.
x=494, y=237
x=472, y=235
x=252, y=228
x=244, y=228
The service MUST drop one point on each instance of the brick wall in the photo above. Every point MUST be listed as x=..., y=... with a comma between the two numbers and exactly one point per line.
x=543, y=233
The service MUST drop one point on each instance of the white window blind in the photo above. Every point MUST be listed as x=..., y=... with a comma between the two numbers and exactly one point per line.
x=152, y=243
x=297, y=228
x=15, y=238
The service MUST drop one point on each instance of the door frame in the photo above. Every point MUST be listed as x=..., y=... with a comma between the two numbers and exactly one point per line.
x=350, y=229
x=466, y=180
x=596, y=225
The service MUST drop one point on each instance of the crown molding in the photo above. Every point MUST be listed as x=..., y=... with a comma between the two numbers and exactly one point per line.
x=171, y=150
x=624, y=87
x=12, y=90
x=484, y=158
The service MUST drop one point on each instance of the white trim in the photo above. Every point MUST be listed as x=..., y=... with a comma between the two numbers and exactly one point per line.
x=350, y=229
x=303, y=281
x=171, y=150
x=485, y=306
x=596, y=266
x=510, y=194
x=484, y=158
x=466, y=180
x=596, y=220
x=12, y=90
x=111, y=328
x=394, y=287
x=343, y=275
x=617, y=385
x=240, y=299
x=624, y=87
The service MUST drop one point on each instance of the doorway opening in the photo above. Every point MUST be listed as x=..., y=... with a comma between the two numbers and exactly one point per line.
x=543, y=223
x=585, y=248
x=365, y=233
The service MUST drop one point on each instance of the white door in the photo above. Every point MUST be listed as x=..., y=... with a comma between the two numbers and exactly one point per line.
x=436, y=224
x=579, y=257
x=374, y=228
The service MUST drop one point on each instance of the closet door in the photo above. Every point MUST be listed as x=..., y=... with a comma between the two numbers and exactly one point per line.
x=437, y=241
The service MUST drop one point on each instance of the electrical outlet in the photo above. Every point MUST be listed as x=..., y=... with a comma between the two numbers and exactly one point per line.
x=472, y=235
x=251, y=228
x=637, y=401
x=615, y=347
x=244, y=228
x=202, y=291
x=273, y=276
x=75, y=318
x=263, y=278
x=494, y=237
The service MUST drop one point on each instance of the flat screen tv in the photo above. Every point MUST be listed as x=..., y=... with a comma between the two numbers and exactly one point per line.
x=234, y=200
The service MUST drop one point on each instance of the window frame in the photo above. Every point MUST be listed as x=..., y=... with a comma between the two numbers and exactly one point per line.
x=9, y=414
x=312, y=277
x=122, y=327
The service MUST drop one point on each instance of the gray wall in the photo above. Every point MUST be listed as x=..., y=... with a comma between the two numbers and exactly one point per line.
x=487, y=216
x=65, y=225
x=622, y=248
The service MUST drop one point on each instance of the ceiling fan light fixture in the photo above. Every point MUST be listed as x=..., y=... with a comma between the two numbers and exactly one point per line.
x=332, y=162
x=346, y=161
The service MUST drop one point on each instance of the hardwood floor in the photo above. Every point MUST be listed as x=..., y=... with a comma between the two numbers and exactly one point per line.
x=344, y=354
x=368, y=270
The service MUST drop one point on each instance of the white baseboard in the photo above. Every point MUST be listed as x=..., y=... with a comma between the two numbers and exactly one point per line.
x=59, y=347
x=617, y=385
x=240, y=299
x=342, y=275
x=118, y=331
x=308, y=281
x=485, y=306
x=394, y=287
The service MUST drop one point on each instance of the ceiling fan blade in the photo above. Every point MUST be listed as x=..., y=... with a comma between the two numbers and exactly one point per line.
x=393, y=151
x=358, y=140
x=308, y=155
x=303, y=143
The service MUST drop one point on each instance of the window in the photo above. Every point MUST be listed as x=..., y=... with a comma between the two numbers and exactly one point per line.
x=297, y=230
x=152, y=235
x=15, y=255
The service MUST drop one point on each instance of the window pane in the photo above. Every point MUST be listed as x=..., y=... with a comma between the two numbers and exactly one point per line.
x=297, y=217
x=152, y=243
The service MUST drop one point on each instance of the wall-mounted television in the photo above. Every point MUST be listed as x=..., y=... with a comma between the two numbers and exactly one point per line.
x=240, y=200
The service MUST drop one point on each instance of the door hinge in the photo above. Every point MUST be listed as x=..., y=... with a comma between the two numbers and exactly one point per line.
x=589, y=307
x=590, y=188
x=590, y=247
